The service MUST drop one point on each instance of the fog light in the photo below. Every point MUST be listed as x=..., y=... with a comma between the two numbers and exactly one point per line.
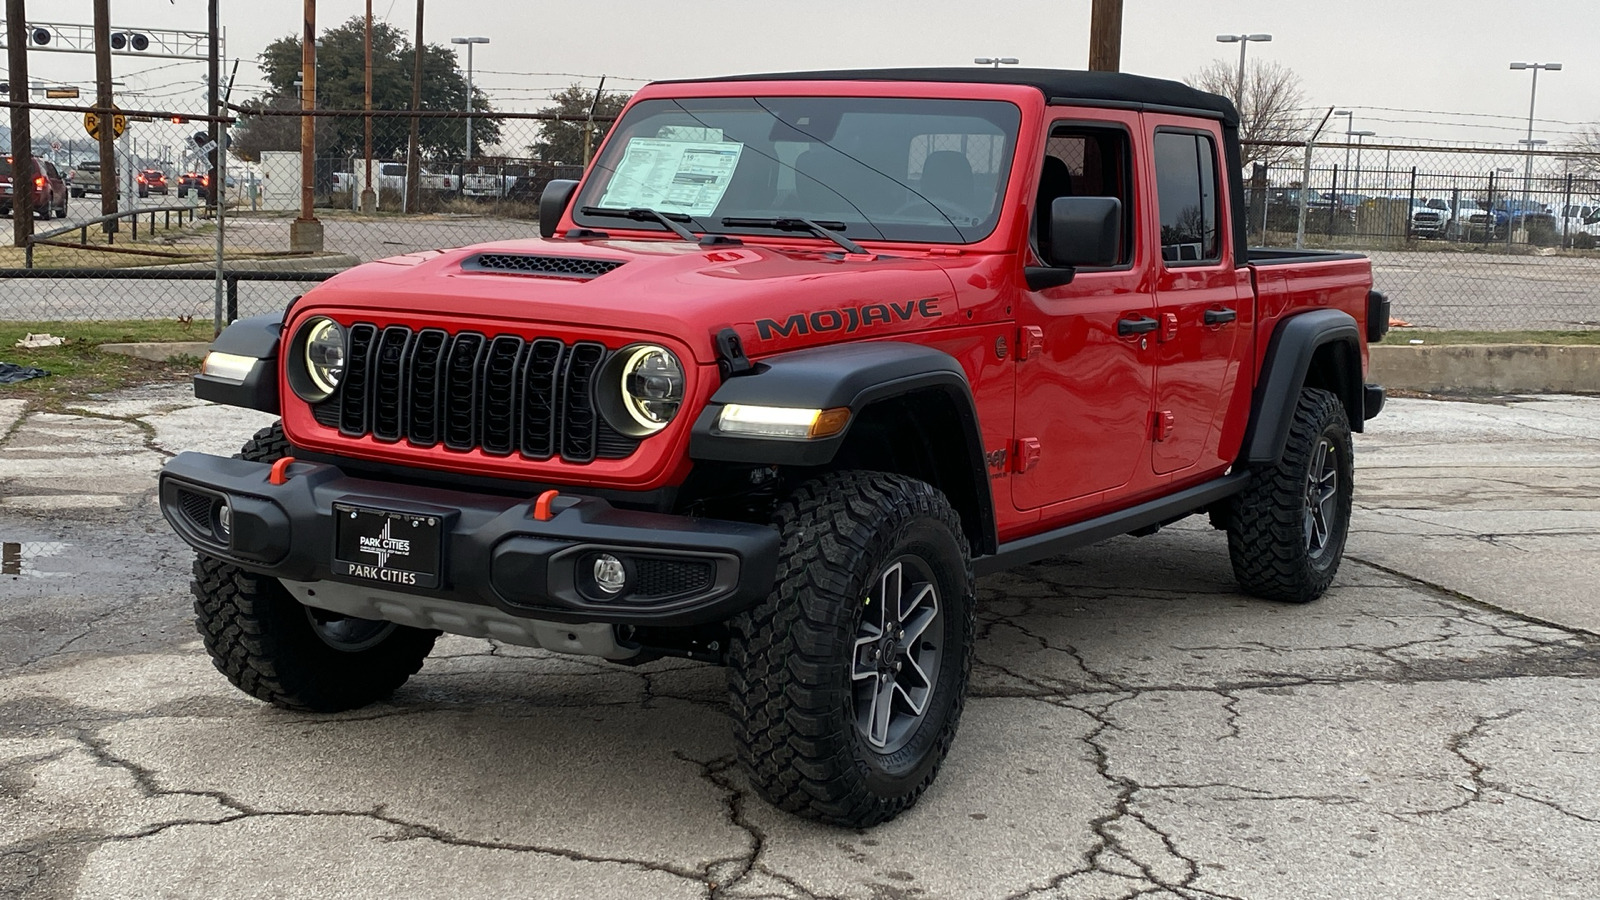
x=225, y=520
x=609, y=576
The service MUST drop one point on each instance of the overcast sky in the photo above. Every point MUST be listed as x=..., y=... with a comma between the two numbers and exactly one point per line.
x=1399, y=63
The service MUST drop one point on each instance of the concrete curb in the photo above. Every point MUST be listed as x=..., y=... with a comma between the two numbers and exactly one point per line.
x=159, y=351
x=1502, y=368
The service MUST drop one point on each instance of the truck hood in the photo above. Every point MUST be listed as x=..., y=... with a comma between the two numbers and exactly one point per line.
x=777, y=298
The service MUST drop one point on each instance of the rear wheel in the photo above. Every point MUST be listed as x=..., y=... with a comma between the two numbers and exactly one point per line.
x=848, y=682
x=1287, y=530
x=276, y=649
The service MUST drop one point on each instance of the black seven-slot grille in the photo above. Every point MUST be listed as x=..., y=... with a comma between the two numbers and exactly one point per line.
x=502, y=395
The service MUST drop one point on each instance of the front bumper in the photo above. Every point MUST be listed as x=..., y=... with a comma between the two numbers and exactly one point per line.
x=493, y=552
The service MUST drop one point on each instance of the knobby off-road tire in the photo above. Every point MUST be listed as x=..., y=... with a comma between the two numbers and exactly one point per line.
x=808, y=663
x=1287, y=530
x=274, y=649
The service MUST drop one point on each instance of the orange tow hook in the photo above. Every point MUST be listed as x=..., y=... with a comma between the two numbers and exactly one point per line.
x=541, y=506
x=280, y=470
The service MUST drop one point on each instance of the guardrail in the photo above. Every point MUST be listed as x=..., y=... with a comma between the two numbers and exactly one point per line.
x=132, y=215
x=230, y=279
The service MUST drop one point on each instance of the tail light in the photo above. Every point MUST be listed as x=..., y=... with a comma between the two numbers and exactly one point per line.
x=39, y=182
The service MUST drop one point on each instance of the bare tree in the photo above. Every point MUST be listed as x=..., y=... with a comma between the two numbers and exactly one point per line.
x=1585, y=153
x=1272, y=108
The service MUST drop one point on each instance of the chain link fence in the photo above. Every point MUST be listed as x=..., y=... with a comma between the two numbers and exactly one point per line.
x=1492, y=239
x=1481, y=239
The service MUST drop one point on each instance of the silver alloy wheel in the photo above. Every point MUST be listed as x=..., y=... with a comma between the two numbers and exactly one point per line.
x=1322, y=497
x=348, y=633
x=895, y=663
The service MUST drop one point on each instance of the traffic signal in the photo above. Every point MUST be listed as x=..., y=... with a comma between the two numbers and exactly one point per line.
x=40, y=36
x=123, y=40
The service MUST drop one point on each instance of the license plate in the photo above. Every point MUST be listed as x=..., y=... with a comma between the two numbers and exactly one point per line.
x=392, y=548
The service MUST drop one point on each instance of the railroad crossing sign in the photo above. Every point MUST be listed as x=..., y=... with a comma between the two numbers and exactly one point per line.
x=91, y=124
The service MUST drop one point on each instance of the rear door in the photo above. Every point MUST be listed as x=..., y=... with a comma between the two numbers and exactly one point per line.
x=1083, y=388
x=1203, y=302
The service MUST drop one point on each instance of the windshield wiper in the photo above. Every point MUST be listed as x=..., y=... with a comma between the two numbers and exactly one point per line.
x=646, y=214
x=828, y=230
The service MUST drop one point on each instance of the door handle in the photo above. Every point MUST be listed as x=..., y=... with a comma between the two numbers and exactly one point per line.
x=1136, y=325
x=1220, y=316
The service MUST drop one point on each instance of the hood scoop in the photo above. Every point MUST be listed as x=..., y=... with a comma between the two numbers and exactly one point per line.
x=574, y=268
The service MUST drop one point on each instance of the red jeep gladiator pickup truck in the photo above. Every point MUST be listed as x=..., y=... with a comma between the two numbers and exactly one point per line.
x=800, y=357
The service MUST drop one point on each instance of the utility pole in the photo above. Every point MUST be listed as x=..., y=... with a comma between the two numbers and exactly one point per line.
x=21, y=132
x=369, y=198
x=305, y=233
x=1105, y=36
x=102, y=83
x=219, y=177
x=413, y=149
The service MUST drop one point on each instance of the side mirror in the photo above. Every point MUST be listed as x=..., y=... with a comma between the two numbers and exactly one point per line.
x=1085, y=231
x=553, y=203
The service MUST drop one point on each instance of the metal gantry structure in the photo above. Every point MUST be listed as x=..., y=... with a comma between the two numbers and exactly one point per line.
x=152, y=43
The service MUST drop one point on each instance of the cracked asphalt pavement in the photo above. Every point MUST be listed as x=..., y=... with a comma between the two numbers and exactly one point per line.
x=1430, y=728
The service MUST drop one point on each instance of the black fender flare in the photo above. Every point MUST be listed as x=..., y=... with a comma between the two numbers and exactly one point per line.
x=1294, y=344
x=848, y=375
x=259, y=338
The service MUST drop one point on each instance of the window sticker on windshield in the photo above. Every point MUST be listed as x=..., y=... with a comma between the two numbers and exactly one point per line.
x=688, y=177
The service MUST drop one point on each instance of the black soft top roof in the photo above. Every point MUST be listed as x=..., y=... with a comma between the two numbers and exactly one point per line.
x=1064, y=85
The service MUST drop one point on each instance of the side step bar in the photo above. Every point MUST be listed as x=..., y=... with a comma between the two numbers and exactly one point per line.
x=1092, y=531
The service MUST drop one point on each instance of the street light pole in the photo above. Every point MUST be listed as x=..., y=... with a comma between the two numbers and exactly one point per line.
x=1349, y=123
x=469, y=41
x=1533, y=98
x=1358, y=135
x=1527, y=176
x=1243, y=40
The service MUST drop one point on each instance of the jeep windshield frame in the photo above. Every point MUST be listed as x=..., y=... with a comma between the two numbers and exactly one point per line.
x=895, y=169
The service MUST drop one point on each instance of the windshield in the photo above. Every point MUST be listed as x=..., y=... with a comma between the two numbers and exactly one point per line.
x=885, y=168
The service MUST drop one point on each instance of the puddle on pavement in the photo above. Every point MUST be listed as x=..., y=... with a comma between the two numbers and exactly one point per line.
x=19, y=557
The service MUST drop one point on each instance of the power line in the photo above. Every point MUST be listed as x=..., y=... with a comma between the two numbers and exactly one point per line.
x=1435, y=112
x=567, y=75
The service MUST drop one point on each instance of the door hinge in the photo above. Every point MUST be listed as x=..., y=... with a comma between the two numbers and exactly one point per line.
x=1027, y=455
x=1169, y=326
x=1162, y=423
x=1030, y=340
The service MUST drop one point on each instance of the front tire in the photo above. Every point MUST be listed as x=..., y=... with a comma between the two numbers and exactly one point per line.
x=1287, y=530
x=848, y=681
x=275, y=649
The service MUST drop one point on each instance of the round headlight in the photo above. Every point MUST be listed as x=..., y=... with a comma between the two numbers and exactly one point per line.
x=325, y=354
x=651, y=386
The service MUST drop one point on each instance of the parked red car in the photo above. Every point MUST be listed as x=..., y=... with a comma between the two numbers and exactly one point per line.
x=49, y=189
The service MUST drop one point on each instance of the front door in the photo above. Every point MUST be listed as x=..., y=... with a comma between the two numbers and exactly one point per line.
x=1202, y=300
x=1083, y=388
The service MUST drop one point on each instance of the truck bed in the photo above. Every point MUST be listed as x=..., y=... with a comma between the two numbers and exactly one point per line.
x=1269, y=256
